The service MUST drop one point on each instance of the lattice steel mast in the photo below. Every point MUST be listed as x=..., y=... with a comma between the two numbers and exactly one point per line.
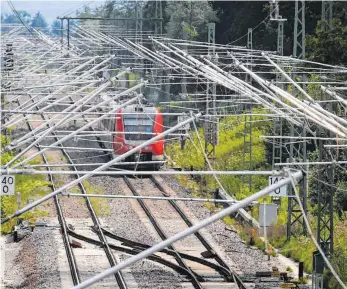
x=277, y=148
x=327, y=13
x=247, y=133
x=295, y=223
x=211, y=121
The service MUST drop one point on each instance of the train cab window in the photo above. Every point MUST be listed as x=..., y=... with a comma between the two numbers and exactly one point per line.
x=137, y=127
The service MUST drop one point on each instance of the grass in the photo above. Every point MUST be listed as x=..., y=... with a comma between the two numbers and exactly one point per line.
x=229, y=157
x=100, y=205
x=300, y=249
x=30, y=188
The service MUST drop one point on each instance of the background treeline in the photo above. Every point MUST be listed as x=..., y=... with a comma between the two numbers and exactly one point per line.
x=233, y=18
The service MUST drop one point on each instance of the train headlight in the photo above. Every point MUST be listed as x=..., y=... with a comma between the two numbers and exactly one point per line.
x=146, y=148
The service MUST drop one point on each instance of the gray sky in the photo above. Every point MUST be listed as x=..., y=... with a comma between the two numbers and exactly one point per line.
x=49, y=9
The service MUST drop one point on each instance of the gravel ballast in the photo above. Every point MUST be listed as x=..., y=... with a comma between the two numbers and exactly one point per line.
x=35, y=263
x=125, y=220
x=248, y=259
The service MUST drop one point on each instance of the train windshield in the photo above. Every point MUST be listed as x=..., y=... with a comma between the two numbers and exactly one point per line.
x=137, y=127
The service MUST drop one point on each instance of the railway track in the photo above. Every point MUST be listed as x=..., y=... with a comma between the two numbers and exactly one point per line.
x=65, y=229
x=197, y=280
x=210, y=251
x=211, y=271
x=205, y=272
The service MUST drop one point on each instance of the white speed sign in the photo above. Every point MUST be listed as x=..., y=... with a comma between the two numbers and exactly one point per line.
x=7, y=185
x=280, y=192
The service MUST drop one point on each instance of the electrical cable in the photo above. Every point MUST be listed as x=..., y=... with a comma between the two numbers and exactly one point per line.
x=254, y=28
x=205, y=156
x=75, y=9
x=18, y=16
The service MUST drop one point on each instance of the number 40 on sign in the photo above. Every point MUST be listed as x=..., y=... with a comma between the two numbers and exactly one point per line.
x=7, y=185
x=280, y=192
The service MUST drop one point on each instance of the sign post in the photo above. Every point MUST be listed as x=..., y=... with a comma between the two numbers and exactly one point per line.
x=18, y=200
x=183, y=129
x=7, y=185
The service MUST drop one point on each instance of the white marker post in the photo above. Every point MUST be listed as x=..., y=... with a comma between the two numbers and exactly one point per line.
x=279, y=192
x=7, y=185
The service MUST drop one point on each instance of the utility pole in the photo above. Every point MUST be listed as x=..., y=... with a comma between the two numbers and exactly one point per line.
x=185, y=48
x=277, y=147
x=299, y=50
x=211, y=121
x=68, y=34
x=280, y=36
x=295, y=222
x=158, y=14
x=325, y=214
x=139, y=22
x=211, y=89
x=139, y=28
x=62, y=33
x=247, y=132
x=249, y=56
x=327, y=14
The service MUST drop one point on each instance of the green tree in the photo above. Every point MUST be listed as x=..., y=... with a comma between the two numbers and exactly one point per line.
x=12, y=18
x=192, y=16
x=39, y=21
x=329, y=45
x=237, y=16
x=149, y=11
x=340, y=199
x=56, y=28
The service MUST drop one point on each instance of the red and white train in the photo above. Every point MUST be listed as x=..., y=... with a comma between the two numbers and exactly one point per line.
x=130, y=127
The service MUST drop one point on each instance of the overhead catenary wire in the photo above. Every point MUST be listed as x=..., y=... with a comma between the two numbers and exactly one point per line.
x=99, y=169
x=225, y=74
x=153, y=198
x=187, y=232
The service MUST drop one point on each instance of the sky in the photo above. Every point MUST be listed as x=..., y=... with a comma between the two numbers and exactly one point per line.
x=49, y=9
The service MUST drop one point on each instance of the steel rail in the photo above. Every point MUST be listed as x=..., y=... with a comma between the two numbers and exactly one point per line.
x=126, y=242
x=297, y=175
x=172, y=251
x=195, y=279
x=97, y=226
x=133, y=251
x=205, y=243
x=186, y=219
x=75, y=275
x=119, y=277
x=99, y=169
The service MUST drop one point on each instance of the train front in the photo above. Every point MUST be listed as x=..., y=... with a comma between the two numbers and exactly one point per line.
x=136, y=124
